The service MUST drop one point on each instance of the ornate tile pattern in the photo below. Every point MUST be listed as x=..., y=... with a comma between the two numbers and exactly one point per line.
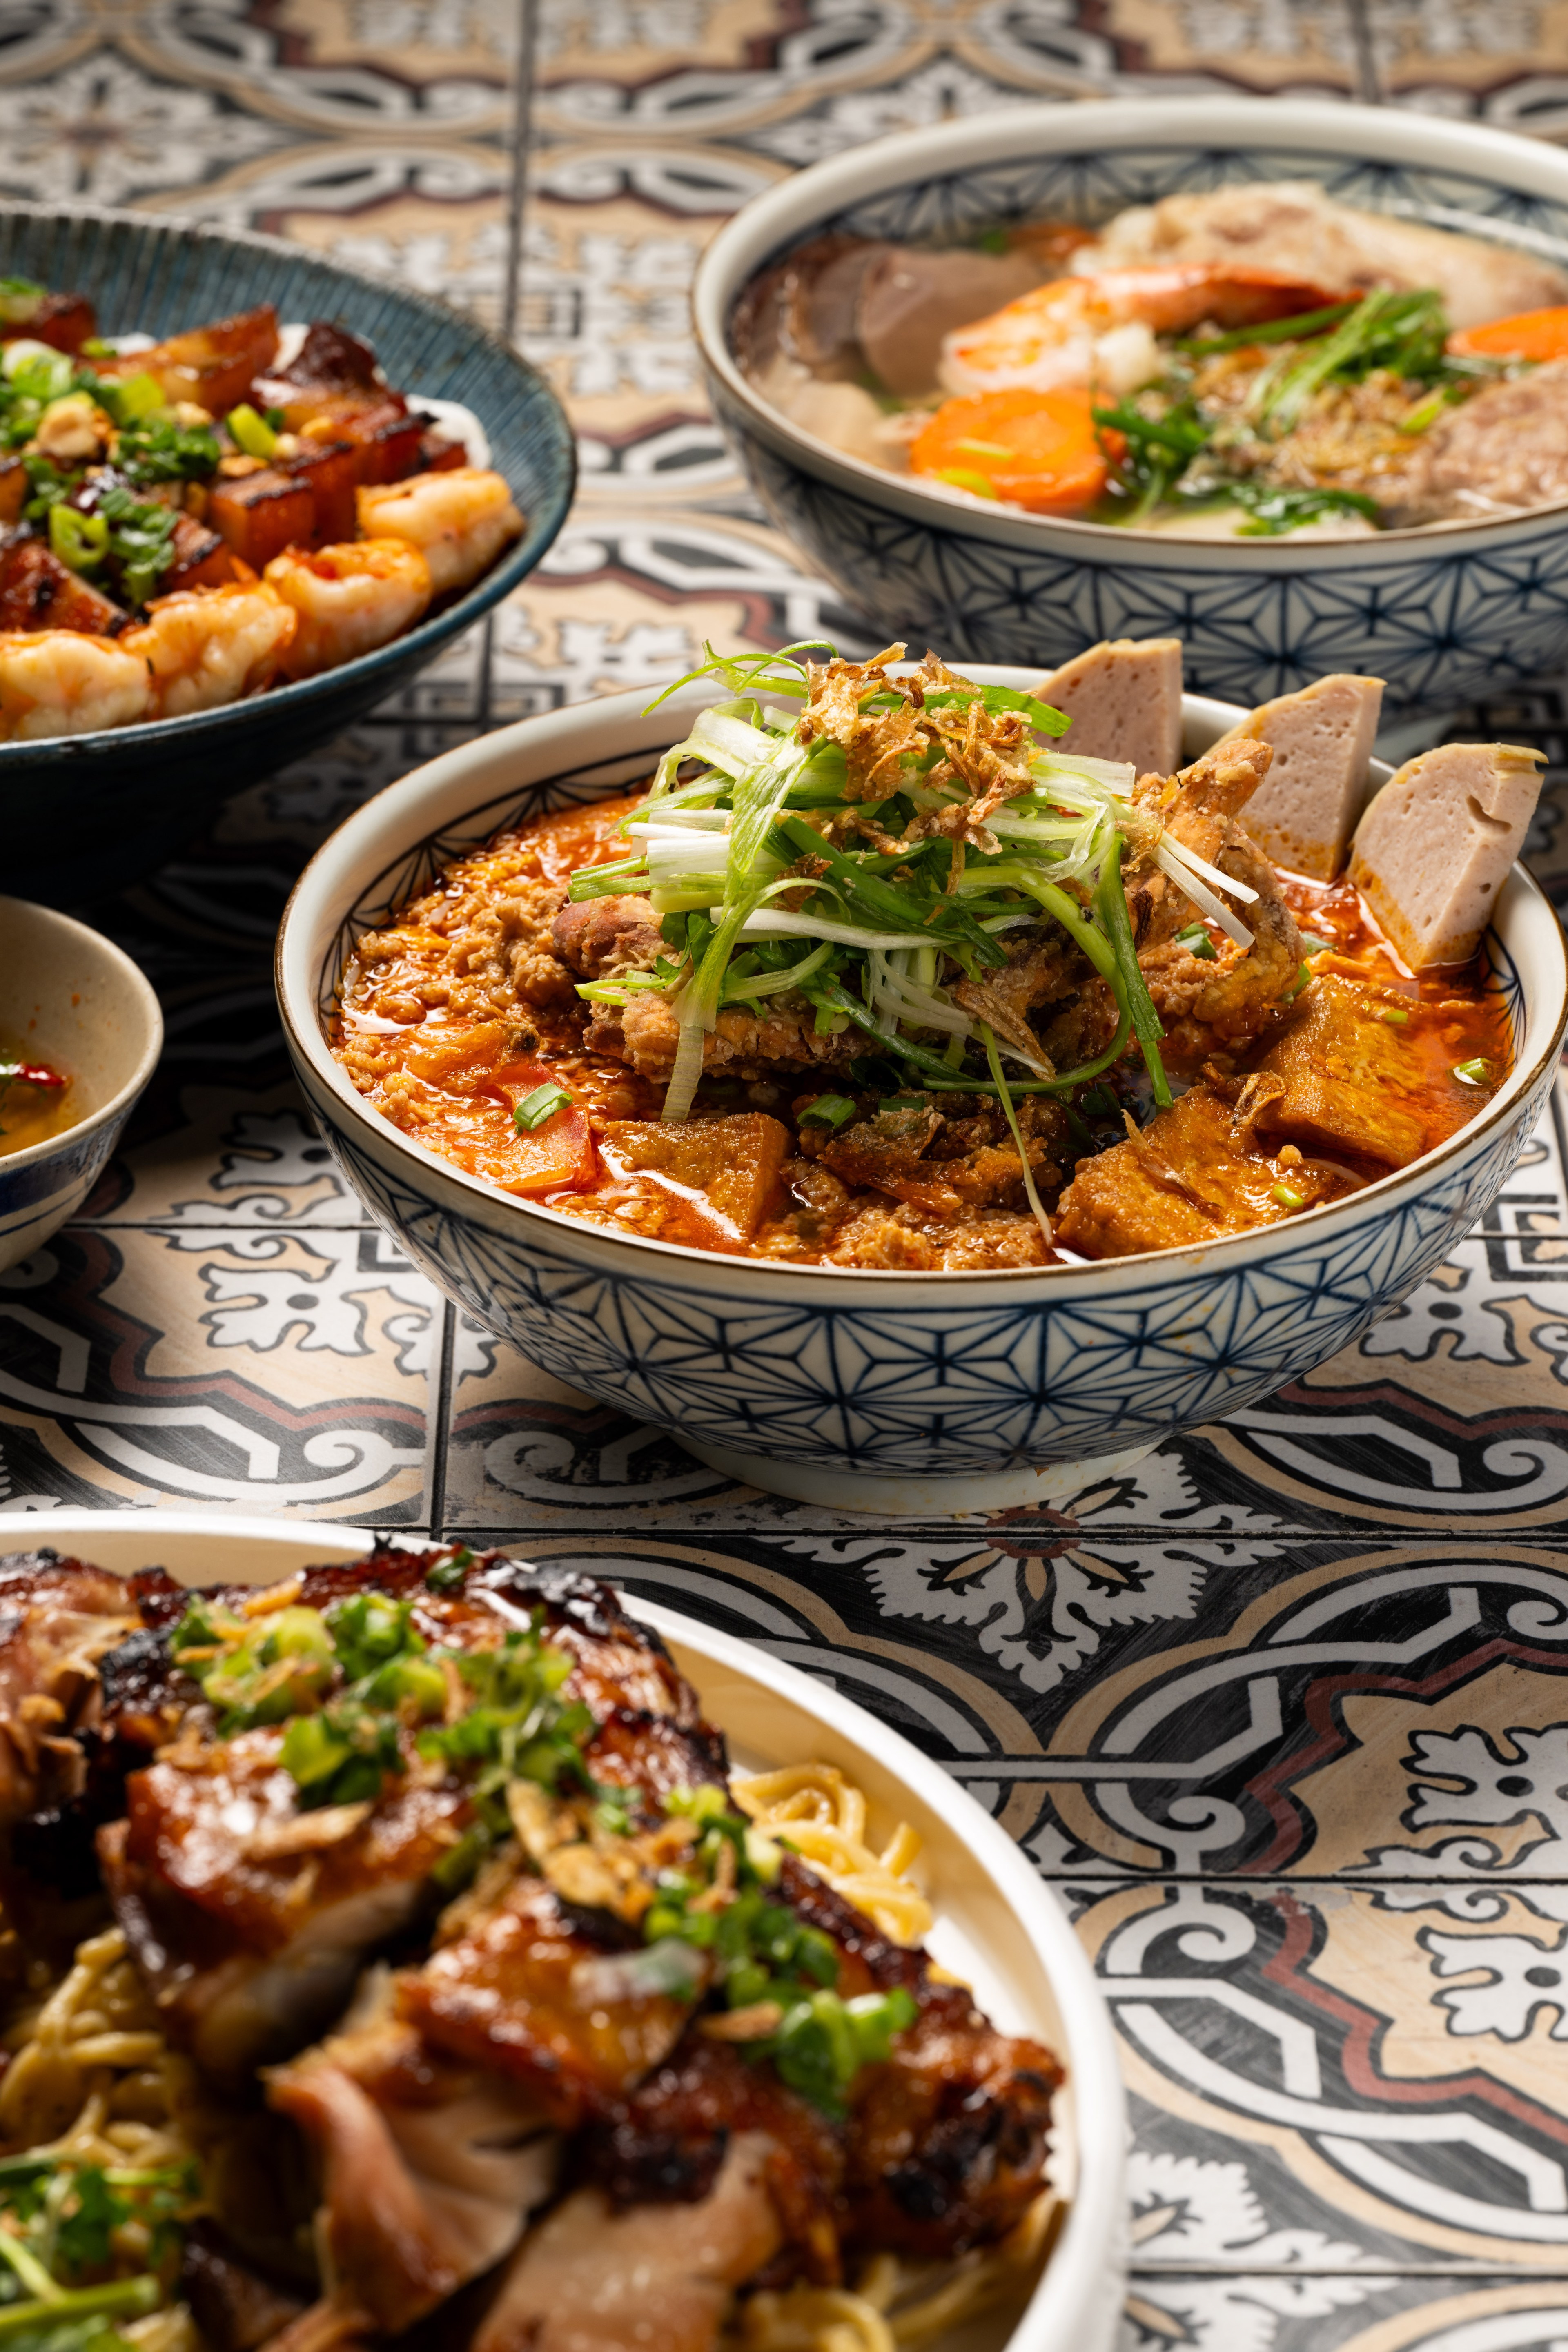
x=1283, y=1711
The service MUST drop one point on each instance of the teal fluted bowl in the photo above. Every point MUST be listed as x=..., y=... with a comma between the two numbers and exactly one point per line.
x=82, y=813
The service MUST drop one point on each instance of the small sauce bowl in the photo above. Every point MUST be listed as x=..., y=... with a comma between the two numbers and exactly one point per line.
x=73, y=1000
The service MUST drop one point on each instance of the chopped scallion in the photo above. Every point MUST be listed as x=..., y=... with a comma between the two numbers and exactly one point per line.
x=249, y=431
x=828, y=1110
x=541, y=1103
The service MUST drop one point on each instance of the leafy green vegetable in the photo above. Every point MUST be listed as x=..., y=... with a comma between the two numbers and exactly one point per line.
x=1159, y=449
x=1405, y=333
x=1274, y=511
x=1272, y=331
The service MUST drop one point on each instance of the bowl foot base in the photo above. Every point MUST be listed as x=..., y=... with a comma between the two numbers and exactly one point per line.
x=912, y=1497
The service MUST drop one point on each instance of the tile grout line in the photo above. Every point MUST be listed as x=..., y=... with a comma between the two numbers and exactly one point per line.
x=1363, y=48
x=438, y=1422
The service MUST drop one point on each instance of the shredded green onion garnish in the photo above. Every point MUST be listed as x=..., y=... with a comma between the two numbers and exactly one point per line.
x=817, y=847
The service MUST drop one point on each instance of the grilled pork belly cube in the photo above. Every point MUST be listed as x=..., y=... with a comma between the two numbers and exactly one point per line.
x=1124, y=698
x=1435, y=846
x=437, y=455
x=38, y=592
x=382, y=431
x=12, y=491
x=1305, y=809
x=329, y=468
x=211, y=366
x=386, y=437
x=258, y=515
x=202, y=560
x=64, y=322
x=330, y=359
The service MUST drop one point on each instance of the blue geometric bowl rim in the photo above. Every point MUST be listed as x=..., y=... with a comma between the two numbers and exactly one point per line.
x=54, y=1147
x=325, y=1082
x=540, y=529
x=1317, y=126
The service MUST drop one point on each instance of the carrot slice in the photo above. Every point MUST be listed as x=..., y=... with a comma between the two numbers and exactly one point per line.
x=1035, y=449
x=1528, y=335
x=556, y=1153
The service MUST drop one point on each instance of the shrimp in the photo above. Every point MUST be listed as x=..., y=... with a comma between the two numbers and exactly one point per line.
x=1100, y=330
x=63, y=682
x=205, y=647
x=348, y=600
x=460, y=521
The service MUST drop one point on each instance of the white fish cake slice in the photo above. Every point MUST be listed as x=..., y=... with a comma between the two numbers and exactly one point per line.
x=1304, y=812
x=1431, y=853
x=1124, y=698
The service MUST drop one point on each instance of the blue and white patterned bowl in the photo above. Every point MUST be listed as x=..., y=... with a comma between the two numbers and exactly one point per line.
x=894, y=1392
x=72, y=998
x=82, y=813
x=1441, y=612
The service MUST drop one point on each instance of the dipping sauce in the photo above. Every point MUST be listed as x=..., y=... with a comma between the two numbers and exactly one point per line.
x=36, y=1100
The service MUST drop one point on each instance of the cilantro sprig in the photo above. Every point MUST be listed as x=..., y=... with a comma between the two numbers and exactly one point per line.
x=60, y=2224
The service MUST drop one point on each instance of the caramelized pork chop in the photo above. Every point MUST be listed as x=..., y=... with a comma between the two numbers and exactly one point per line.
x=250, y=1913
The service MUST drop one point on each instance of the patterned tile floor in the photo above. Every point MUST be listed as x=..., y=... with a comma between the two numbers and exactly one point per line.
x=1283, y=1714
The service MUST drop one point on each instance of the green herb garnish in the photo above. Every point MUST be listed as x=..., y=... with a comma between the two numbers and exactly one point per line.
x=541, y=1103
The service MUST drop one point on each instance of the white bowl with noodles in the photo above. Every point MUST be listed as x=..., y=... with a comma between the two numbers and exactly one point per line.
x=897, y=1390
x=997, y=1926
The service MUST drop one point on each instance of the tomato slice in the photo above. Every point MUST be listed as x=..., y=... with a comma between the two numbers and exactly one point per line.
x=556, y=1155
x=1035, y=449
x=1528, y=335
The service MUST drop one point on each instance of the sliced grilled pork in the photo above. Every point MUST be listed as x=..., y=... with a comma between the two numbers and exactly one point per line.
x=58, y=1619
x=429, y=2170
x=590, y=2279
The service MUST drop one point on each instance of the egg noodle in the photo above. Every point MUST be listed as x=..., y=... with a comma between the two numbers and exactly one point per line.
x=894, y=2303
x=92, y=2079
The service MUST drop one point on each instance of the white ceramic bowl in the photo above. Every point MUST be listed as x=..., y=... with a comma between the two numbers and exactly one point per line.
x=75, y=1000
x=897, y=1392
x=1441, y=613
x=997, y=1925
